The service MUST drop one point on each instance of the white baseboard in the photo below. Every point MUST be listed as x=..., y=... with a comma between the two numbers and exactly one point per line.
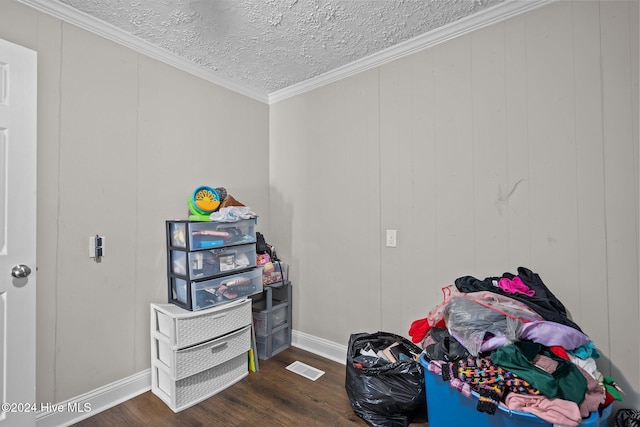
x=320, y=346
x=89, y=404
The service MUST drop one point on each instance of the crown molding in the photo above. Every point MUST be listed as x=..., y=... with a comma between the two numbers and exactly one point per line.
x=110, y=32
x=493, y=15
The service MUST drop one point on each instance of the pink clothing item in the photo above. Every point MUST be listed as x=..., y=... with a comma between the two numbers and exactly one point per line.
x=554, y=411
x=515, y=286
x=545, y=363
x=594, y=396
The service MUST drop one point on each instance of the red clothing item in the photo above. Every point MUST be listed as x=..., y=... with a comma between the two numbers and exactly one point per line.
x=559, y=351
x=418, y=329
x=608, y=399
x=421, y=327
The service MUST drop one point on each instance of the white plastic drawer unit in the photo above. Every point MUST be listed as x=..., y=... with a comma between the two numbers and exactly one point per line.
x=181, y=328
x=188, y=391
x=213, y=262
x=191, y=360
x=206, y=235
x=196, y=354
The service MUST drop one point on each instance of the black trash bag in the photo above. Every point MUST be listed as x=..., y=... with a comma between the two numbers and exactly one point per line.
x=384, y=394
x=628, y=418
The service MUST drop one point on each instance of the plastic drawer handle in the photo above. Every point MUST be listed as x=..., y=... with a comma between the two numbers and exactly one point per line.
x=218, y=346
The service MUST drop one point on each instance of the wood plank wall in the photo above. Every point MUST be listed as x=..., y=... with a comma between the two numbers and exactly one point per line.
x=515, y=145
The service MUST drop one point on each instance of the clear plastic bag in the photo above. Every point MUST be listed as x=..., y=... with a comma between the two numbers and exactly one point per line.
x=472, y=317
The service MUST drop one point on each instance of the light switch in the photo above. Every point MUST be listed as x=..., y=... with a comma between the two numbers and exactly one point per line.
x=391, y=239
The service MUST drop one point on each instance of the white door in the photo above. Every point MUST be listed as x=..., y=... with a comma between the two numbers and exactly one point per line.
x=17, y=234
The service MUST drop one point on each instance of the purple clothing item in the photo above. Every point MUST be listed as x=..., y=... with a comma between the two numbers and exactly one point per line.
x=488, y=344
x=494, y=343
x=551, y=334
x=515, y=286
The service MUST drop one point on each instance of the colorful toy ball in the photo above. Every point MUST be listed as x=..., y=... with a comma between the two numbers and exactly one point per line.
x=204, y=200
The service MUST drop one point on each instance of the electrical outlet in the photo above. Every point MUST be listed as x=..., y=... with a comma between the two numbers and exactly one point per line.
x=391, y=239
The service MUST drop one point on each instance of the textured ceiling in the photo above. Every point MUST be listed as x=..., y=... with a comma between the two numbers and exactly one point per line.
x=268, y=45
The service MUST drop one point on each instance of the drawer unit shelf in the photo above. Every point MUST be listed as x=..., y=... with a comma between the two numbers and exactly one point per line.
x=195, y=235
x=196, y=354
x=264, y=322
x=191, y=360
x=198, y=295
x=272, y=319
x=183, y=328
x=186, y=392
x=270, y=345
x=211, y=263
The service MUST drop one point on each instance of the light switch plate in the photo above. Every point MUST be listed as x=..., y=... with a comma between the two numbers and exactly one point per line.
x=392, y=239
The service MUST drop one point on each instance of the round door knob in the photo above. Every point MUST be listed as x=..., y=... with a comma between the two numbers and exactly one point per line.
x=19, y=271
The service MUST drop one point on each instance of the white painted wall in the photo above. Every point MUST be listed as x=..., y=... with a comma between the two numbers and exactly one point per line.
x=122, y=142
x=515, y=145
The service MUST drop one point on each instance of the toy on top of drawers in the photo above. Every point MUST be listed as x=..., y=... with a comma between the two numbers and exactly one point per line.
x=210, y=263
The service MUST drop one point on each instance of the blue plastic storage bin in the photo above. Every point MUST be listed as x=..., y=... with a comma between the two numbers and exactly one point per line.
x=447, y=407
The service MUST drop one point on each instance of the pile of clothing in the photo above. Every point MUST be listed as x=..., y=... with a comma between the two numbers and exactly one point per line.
x=510, y=340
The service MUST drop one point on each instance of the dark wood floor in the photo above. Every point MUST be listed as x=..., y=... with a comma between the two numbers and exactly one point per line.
x=274, y=396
